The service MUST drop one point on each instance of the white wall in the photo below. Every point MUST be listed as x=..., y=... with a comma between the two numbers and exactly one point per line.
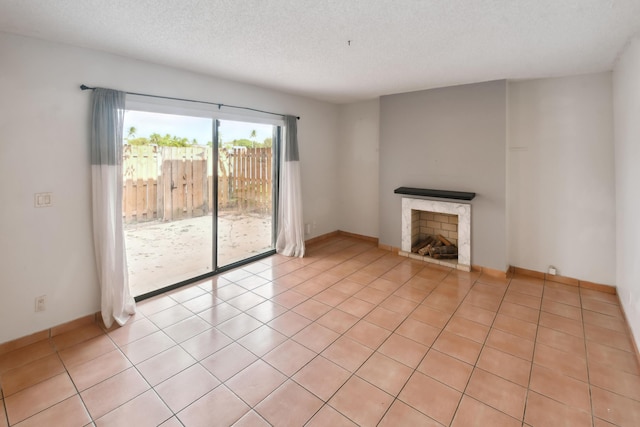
x=561, y=191
x=358, y=154
x=451, y=138
x=44, y=128
x=626, y=106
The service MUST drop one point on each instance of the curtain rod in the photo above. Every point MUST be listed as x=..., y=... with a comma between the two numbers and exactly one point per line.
x=85, y=87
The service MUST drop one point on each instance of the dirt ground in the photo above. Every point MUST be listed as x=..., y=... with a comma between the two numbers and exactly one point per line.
x=163, y=253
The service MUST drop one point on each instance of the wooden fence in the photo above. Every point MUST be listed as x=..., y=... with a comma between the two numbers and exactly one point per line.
x=170, y=183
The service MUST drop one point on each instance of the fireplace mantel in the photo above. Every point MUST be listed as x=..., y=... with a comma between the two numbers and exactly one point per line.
x=441, y=194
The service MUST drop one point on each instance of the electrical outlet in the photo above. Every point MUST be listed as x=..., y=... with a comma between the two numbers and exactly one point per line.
x=552, y=270
x=41, y=303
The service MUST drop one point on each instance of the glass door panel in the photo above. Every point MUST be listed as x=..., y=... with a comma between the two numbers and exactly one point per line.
x=245, y=190
x=167, y=199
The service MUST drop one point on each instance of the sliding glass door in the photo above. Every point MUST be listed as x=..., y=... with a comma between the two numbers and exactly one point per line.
x=167, y=202
x=198, y=195
x=245, y=190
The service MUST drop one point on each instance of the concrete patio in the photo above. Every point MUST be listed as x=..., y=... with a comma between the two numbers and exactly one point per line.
x=160, y=254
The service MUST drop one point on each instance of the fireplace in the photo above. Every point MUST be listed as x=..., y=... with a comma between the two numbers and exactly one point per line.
x=449, y=221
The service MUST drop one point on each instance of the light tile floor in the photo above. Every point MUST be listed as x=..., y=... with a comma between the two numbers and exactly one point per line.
x=350, y=335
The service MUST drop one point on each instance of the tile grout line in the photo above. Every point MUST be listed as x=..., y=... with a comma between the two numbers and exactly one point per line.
x=288, y=377
x=233, y=340
x=590, y=385
x=198, y=362
x=375, y=350
x=429, y=349
x=104, y=332
x=475, y=366
x=56, y=352
x=586, y=355
x=75, y=386
x=352, y=374
x=106, y=379
x=152, y=356
x=134, y=366
x=584, y=338
x=414, y=370
x=360, y=319
x=347, y=330
x=4, y=407
x=535, y=343
x=395, y=398
x=604, y=345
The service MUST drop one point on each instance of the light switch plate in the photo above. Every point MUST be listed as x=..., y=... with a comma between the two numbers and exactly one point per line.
x=43, y=200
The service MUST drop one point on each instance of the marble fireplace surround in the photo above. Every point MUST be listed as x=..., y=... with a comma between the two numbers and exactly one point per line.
x=463, y=210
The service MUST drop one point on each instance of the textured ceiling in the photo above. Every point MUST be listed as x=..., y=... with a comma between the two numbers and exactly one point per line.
x=302, y=46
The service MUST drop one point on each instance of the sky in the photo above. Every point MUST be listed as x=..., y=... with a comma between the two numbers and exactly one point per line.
x=191, y=127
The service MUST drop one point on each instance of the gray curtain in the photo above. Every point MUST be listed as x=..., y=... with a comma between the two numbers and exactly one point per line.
x=107, y=120
x=290, y=233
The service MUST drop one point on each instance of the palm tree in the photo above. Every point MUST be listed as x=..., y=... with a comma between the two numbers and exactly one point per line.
x=132, y=132
x=253, y=138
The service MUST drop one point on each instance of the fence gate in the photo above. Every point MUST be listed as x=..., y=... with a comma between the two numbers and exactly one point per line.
x=183, y=185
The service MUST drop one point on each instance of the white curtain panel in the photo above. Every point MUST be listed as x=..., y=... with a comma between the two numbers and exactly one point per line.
x=290, y=236
x=108, y=235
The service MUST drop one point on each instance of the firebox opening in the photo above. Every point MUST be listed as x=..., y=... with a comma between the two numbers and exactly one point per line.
x=434, y=234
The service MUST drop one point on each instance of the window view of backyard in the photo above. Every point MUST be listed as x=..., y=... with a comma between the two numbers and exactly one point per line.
x=171, y=233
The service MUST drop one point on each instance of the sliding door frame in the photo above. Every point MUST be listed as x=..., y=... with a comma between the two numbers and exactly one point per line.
x=276, y=154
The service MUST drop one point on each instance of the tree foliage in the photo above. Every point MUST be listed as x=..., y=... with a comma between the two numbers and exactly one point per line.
x=175, y=141
x=247, y=143
x=240, y=143
x=162, y=141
